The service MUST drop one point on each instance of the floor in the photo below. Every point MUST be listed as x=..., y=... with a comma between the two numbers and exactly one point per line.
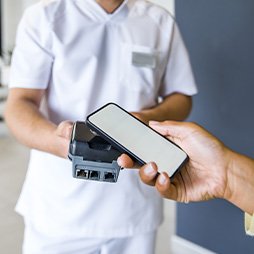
x=13, y=162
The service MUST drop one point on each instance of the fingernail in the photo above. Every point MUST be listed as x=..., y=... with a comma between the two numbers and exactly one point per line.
x=150, y=170
x=162, y=179
x=119, y=161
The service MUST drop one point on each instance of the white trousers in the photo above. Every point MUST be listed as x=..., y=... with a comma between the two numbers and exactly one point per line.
x=36, y=243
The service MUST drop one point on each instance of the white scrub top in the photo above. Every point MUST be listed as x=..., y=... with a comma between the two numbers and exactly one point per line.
x=85, y=58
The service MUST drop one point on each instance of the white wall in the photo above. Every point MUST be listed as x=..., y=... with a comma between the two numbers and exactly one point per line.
x=11, y=13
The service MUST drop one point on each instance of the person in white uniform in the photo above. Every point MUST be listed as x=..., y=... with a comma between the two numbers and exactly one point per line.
x=72, y=57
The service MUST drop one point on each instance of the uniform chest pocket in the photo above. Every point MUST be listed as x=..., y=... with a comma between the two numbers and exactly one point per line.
x=139, y=67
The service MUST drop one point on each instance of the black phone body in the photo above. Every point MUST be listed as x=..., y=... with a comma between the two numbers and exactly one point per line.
x=135, y=138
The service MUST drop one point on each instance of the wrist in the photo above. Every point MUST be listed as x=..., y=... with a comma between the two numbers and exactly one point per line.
x=240, y=187
x=230, y=176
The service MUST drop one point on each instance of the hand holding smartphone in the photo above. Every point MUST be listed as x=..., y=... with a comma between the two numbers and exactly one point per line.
x=131, y=136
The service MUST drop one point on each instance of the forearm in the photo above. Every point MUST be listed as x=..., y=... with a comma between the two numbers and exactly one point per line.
x=241, y=182
x=31, y=128
x=174, y=107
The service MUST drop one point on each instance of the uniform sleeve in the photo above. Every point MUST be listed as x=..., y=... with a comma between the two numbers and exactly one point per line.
x=178, y=75
x=32, y=57
x=249, y=224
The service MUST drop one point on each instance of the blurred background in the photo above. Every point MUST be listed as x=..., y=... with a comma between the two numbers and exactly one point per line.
x=14, y=157
x=219, y=35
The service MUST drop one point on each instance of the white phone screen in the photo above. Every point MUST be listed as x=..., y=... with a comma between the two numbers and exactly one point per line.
x=137, y=138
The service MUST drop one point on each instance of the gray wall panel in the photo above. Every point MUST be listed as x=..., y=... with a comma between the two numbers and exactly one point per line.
x=220, y=37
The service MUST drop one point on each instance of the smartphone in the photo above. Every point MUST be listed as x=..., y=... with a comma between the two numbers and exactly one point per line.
x=129, y=135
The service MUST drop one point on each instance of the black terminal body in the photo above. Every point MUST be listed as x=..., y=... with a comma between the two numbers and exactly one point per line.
x=92, y=157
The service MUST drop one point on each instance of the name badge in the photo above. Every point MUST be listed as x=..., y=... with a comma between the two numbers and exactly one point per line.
x=147, y=60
